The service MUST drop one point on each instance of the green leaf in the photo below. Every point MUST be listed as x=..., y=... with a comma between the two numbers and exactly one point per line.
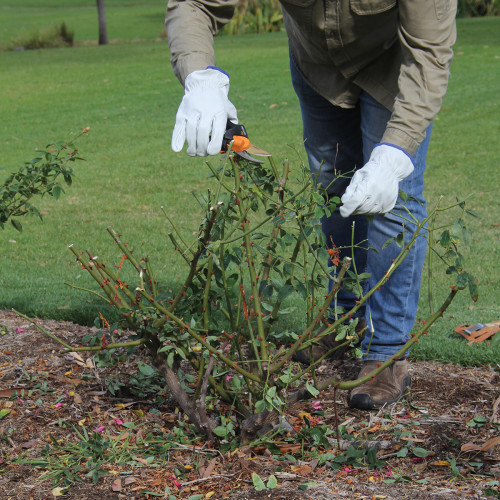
x=403, y=195
x=220, y=431
x=473, y=288
x=304, y=486
x=403, y=452
x=312, y=390
x=199, y=496
x=17, y=224
x=146, y=369
x=387, y=242
x=56, y=192
x=400, y=240
x=420, y=452
x=272, y=482
x=257, y=482
x=445, y=239
x=285, y=292
x=4, y=412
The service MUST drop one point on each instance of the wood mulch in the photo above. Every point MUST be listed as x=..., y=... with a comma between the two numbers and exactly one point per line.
x=56, y=394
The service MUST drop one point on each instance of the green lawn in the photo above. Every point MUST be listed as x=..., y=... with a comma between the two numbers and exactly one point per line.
x=128, y=95
x=125, y=20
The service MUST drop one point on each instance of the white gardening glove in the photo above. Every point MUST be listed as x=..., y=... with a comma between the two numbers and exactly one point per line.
x=203, y=113
x=374, y=188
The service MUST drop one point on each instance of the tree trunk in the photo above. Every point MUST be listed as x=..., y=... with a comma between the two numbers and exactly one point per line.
x=101, y=13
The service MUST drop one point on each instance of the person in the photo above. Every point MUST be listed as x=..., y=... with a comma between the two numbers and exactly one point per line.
x=370, y=76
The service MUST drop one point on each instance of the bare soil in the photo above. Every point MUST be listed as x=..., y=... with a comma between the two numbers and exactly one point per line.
x=55, y=392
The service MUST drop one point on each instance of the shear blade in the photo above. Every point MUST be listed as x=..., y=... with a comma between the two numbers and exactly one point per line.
x=257, y=151
x=248, y=157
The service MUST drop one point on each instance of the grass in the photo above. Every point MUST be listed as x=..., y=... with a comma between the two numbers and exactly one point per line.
x=128, y=95
x=126, y=20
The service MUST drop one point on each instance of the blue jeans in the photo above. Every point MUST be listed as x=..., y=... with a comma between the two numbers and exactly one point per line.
x=338, y=140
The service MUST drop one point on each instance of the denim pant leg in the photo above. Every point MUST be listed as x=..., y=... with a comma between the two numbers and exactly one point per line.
x=392, y=309
x=342, y=139
x=333, y=143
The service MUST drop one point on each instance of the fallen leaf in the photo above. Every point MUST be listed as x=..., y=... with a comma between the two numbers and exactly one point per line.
x=129, y=480
x=485, y=447
x=141, y=460
x=77, y=399
x=27, y=445
x=4, y=412
x=7, y=393
x=117, y=484
x=290, y=448
x=470, y=447
x=58, y=492
x=210, y=467
x=420, y=467
x=122, y=436
x=302, y=470
x=441, y=463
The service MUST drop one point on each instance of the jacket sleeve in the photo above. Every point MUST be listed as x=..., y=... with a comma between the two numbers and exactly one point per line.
x=427, y=32
x=191, y=25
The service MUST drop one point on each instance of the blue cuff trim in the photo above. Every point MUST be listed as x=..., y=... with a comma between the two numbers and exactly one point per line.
x=218, y=69
x=397, y=147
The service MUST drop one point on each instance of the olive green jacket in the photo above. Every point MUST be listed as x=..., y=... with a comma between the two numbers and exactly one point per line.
x=399, y=51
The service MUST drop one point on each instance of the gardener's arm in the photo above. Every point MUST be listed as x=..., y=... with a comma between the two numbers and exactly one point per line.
x=205, y=107
x=427, y=33
x=191, y=26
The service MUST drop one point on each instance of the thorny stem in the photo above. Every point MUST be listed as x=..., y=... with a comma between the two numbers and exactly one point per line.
x=42, y=329
x=110, y=292
x=197, y=337
x=206, y=293
x=355, y=383
x=306, y=334
x=193, y=267
x=253, y=277
x=132, y=343
x=265, y=220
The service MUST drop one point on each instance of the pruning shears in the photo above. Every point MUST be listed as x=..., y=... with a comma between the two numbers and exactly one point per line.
x=237, y=134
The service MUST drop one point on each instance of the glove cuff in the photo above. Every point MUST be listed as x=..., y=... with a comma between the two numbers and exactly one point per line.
x=211, y=77
x=398, y=148
x=218, y=69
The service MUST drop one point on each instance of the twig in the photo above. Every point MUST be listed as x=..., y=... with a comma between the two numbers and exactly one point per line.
x=104, y=347
x=203, y=479
x=53, y=337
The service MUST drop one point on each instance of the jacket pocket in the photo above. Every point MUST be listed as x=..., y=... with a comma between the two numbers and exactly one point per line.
x=368, y=7
x=442, y=9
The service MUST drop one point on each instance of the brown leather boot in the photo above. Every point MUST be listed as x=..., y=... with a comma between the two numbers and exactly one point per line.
x=387, y=387
x=325, y=344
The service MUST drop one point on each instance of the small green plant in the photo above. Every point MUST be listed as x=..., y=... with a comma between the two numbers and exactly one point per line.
x=54, y=37
x=259, y=484
x=255, y=16
x=38, y=177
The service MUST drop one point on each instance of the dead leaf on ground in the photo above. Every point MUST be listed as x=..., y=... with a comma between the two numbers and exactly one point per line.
x=485, y=447
x=117, y=484
x=210, y=467
x=7, y=393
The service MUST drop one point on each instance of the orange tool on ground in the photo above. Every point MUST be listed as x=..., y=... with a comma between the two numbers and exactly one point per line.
x=478, y=332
